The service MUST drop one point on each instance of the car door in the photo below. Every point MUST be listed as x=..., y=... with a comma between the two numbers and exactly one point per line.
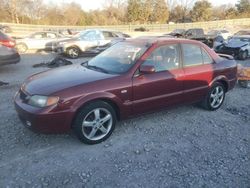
x=37, y=41
x=90, y=39
x=198, y=69
x=162, y=88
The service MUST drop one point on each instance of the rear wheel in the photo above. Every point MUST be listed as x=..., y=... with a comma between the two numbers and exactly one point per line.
x=215, y=97
x=95, y=122
x=73, y=52
x=22, y=48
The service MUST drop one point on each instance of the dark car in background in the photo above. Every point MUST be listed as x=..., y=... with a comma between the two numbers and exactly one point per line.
x=132, y=77
x=177, y=33
x=237, y=46
x=8, y=53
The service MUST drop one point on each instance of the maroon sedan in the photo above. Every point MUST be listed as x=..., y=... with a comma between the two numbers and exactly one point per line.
x=132, y=77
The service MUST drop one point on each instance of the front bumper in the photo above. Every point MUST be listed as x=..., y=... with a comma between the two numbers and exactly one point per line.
x=229, y=51
x=43, y=120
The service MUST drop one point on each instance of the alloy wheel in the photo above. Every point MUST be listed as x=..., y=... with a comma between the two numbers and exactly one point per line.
x=216, y=96
x=73, y=52
x=97, y=124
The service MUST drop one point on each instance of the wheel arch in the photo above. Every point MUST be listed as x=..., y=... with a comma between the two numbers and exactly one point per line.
x=223, y=80
x=107, y=100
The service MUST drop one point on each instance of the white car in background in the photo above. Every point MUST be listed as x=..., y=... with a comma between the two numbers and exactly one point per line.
x=86, y=40
x=39, y=41
x=224, y=33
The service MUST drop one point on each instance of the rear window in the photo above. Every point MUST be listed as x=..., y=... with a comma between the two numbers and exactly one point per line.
x=191, y=55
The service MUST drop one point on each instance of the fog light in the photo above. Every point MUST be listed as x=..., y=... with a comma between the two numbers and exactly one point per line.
x=28, y=123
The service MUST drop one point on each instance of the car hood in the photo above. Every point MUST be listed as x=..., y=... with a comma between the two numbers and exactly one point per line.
x=235, y=44
x=52, y=81
x=68, y=40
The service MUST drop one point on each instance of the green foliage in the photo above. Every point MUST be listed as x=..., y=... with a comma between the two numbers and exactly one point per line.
x=243, y=6
x=147, y=11
x=202, y=11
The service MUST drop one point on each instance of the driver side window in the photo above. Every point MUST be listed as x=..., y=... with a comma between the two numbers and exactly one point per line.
x=164, y=58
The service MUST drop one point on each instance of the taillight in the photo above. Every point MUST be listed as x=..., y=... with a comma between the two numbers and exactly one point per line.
x=8, y=43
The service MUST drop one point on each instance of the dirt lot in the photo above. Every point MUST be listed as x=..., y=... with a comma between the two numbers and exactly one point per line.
x=181, y=147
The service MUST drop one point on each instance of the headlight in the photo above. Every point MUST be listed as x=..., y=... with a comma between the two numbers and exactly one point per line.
x=42, y=101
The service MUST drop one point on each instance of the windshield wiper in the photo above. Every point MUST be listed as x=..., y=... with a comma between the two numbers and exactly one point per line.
x=98, y=68
x=93, y=67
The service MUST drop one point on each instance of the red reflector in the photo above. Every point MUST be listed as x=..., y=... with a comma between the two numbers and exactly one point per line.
x=8, y=43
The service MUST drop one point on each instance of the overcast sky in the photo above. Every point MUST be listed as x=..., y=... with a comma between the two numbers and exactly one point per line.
x=97, y=4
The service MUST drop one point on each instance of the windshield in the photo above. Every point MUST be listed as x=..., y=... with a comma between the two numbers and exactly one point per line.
x=240, y=39
x=117, y=59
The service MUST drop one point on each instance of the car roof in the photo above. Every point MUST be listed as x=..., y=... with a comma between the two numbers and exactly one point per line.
x=160, y=39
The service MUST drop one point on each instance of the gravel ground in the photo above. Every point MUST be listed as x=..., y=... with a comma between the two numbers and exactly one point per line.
x=182, y=147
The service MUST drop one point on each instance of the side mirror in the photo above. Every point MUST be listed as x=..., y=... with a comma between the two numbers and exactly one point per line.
x=147, y=69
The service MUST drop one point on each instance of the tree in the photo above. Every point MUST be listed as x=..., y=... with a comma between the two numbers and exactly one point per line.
x=133, y=10
x=231, y=13
x=243, y=6
x=160, y=11
x=202, y=11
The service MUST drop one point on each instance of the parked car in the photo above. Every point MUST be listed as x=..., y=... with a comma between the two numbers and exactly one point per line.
x=237, y=46
x=8, y=54
x=243, y=32
x=133, y=77
x=39, y=41
x=224, y=33
x=177, y=33
x=194, y=33
x=86, y=40
x=5, y=29
x=98, y=49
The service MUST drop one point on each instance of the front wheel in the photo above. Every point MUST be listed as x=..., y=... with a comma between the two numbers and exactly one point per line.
x=95, y=122
x=215, y=97
x=73, y=52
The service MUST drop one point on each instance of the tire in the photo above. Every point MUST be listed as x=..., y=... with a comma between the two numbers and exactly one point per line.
x=244, y=83
x=100, y=120
x=215, y=97
x=243, y=55
x=21, y=48
x=73, y=52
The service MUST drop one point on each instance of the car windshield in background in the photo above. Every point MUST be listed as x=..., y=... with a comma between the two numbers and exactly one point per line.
x=117, y=59
x=240, y=39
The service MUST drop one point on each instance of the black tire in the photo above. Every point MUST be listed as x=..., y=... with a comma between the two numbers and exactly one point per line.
x=207, y=103
x=87, y=114
x=21, y=48
x=73, y=52
x=243, y=55
x=244, y=83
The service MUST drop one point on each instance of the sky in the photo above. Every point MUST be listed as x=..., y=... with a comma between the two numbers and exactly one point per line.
x=98, y=4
